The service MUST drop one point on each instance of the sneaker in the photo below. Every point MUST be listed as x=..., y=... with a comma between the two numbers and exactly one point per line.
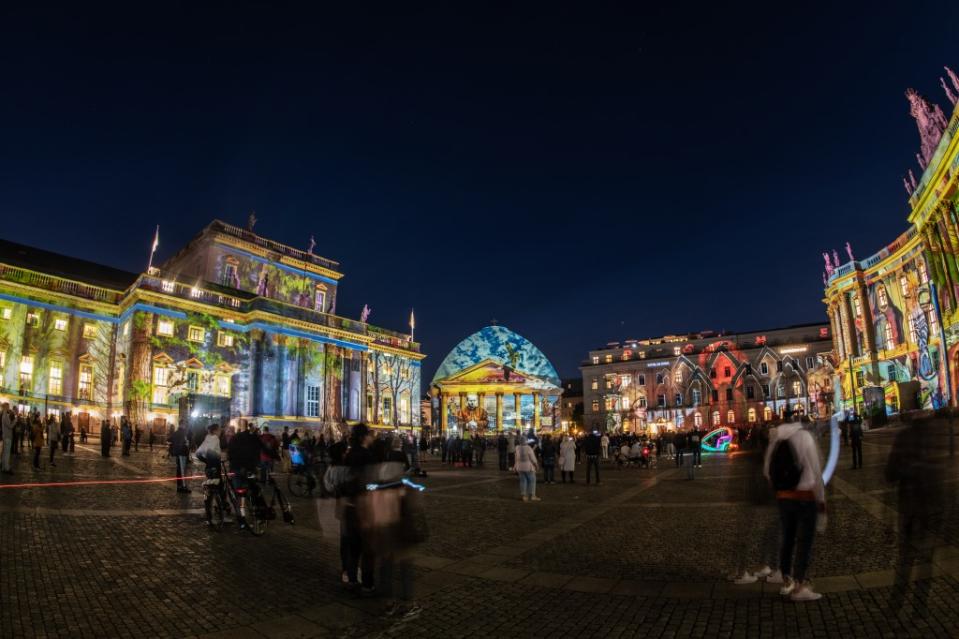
x=393, y=609
x=775, y=577
x=745, y=578
x=788, y=586
x=535, y=498
x=525, y=498
x=764, y=572
x=344, y=577
x=413, y=611
x=805, y=593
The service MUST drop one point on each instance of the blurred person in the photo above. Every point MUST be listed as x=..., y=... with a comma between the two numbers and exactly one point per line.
x=548, y=455
x=104, y=438
x=526, y=467
x=511, y=450
x=855, y=436
x=53, y=436
x=501, y=451
x=357, y=529
x=126, y=437
x=36, y=439
x=269, y=453
x=757, y=522
x=7, y=422
x=467, y=448
x=679, y=441
x=695, y=445
x=592, y=446
x=604, y=446
x=179, y=443
x=567, y=459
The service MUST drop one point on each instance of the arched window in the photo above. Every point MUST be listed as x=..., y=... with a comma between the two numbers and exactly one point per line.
x=697, y=419
x=715, y=418
x=731, y=417
x=751, y=416
x=767, y=414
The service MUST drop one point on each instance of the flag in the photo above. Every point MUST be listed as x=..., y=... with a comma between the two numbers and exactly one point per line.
x=412, y=320
x=156, y=239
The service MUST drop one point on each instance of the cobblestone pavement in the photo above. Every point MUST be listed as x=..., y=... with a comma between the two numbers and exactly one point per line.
x=645, y=553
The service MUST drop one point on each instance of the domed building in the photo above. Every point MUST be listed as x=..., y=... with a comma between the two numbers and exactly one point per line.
x=493, y=380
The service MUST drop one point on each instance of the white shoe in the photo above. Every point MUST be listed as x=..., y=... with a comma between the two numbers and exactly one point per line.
x=788, y=586
x=744, y=579
x=535, y=498
x=775, y=577
x=764, y=572
x=805, y=593
x=525, y=498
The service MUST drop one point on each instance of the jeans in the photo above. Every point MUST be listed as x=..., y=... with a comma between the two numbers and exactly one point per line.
x=549, y=472
x=512, y=459
x=7, y=451
x=679, y=456
x=53, y=449
x=180, y=471
x=592, y=461
x=698, y=456
x=36, y=458
x=527, y=483
x=359, y=554
x=799, y=528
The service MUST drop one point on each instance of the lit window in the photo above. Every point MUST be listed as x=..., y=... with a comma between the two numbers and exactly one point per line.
x=61, y=325
x=751, y=415
x=595, y=357
x=165, y=328
x=764, y=368
x=319, y=302
x=195, y=292
x=933, y=323
x=609, y=358
x=595, y=405
x=797, y=388
x=697, y=420
x=168, y=286
x=32, y=319
x=677, y=350
x=3, y=362
x=642, y=380
x=610, y=402
x=195, y=334
x=55, y=379
x=624, y=381
x=26, y=371
x=626, y=403
x=223, y=385
x=85, y=384
x=192, y=380
x=890, y=340
x=715, y=418
x=609, y=383
x=89, y=330
x=731, y=417
x=904, y=285
x=224, y=339
x=923, y=275
x=767, y=414
x=595, y=384
x=642, y=401
x=161, y=376
x=6, y=313
x=678, y=376
x=313, y=401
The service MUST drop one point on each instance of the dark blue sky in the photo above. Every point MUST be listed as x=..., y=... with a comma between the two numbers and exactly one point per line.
x=581, y=174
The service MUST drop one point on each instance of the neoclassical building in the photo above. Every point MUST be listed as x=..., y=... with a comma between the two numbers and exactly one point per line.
x=495, y=380
x=234, y=325
x=894, y=313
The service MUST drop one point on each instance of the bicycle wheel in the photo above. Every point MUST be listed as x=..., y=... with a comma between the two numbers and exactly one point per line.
x=217, y=508
x=299, y=482
x=255, y=524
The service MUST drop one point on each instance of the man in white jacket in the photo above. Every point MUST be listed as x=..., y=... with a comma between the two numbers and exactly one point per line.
x=801, y=497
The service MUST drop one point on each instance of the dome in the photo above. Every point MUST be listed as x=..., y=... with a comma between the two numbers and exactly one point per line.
x=497, y=343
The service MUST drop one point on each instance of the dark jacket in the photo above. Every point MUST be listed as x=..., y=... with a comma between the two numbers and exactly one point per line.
x=592, y=445
x=244, y=451
x=179, y=443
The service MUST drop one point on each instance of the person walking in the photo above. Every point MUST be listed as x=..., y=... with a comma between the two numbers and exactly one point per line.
x=855, y=434
x=567, y=459
x=36, y=438
x=604, y=445
x=180, y=451
x=7, y=422
x=357, y=531
x=526, y=469
x=548, y=455
x=53, y=436
x=794, y=469
x=592, y=447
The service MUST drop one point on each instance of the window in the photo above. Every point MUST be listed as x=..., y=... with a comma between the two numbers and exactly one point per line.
x=697, y=396
x=3, y=362
x=85, y=383
x=748, y=369
x=195, y=334
x=891, y=372
x=764, y=368
x=642, y=380
x=387, y=410
x=679, y=399
x=165, y=328
x=678, y=376
x=729, y=394
x=608, y=359
x=595, y=384
x=731, y=417
x=61, y=325
x=626, y=403
x=168, y=286
x=192, y=381
x=33, y=319
x=161, y=375
x=6, y=313
x=726, y=372
x=610, y=403
x=224, y=339
x=229, y=274
x=857, y=306
x=55, y=379
x=595, y=405
x=642, y=401
x=750, y=392
x=888, y=337
x=712, y=373
x=659, y=378
x=715, y=418
x=797, y=388
x=223, y=384
x=660, y=400
x=697, y=420
x=923, y=274
x=767, y=414
x=26, y=372
x=195, y=292
x=319, y=300
x=779, y=366
x=89, y=330
x=904, y=285
x=765, y=390
x=933, y=323
x=609, y=383
x=596, y=359
x=677, y=350
x=751, y=415
x=715, y=395
x=624, y=381
x=810, y=362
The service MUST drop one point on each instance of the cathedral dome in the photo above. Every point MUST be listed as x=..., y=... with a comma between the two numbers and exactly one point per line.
x=501, y=345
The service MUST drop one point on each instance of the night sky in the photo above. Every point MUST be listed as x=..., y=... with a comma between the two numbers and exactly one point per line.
x=582, y=175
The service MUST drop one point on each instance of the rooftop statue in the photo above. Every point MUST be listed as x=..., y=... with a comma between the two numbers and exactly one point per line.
x=825, y=280
x=829, y=268
x=835, y=258
x=849, y=252
x=953, y=78
x=931, y=123
x=365, y=313
x=912, y=180
x=949, y=94
x=251, y=221
x=905, y=184
x=312, y=245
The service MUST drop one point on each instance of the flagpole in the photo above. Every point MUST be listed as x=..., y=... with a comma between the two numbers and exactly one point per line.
x=156, y=242
x=412, y=325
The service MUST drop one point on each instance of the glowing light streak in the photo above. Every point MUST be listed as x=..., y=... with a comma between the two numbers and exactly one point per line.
x=833, y=459
x=98, y=482
x=724, y=439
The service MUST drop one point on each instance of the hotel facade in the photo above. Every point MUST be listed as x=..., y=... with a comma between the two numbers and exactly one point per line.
x=708, y=380
x=894, y=313
x=233, y=326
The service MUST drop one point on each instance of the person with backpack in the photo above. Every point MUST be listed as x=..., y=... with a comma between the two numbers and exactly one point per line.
x=794, y=469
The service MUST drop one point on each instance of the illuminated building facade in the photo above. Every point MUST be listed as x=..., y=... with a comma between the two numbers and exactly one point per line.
x=894, y=313
x=708, y=380
x=495, y=380
x=234, y=325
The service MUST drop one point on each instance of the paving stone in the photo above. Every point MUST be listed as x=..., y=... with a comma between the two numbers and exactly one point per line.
x=289, y=627
x=547, y=579
x=504, y=574
x=637, y=588
x=877, y=579
x=688, y=590
x=840, y=583
x=334, y=615
x=590, y=584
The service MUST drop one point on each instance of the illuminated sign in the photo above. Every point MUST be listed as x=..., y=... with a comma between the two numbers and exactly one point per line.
x=793, y=349
x=824, y=332
x=656, y=364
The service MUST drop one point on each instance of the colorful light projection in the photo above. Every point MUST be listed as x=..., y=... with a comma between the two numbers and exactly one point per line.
x=718, y=441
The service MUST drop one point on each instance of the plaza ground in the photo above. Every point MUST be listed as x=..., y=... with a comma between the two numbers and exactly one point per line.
x=644, y=554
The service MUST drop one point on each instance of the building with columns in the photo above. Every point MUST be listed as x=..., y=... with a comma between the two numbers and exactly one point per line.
x=232, y=326
x=894, y=313
x=495, y=380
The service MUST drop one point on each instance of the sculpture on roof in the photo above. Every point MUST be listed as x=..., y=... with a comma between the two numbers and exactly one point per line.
x=312, y=245
x=251, y=221
x=949, y=94
x=365, y=313
x=825, y=280
x=931, y=123
x=953, y=78
x=829, y=267
x=905, y=184
x=912, y=180
x=849, y=252
x=835, y=258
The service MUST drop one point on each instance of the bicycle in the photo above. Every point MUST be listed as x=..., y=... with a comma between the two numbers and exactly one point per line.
x=306, y=474
x=214, y=500
x=253, y=512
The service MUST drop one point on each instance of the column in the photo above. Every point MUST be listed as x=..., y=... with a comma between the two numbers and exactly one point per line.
x=481, y=404
x=537, y=416
x=444, y=418
x=868, y=338
x=279, y=403
x=499, y=411
x=516, y=404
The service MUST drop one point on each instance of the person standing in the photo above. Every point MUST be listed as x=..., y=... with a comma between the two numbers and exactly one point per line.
x=604, y=445
x=53, y=436
x=526, y=469
x=36, y=438
x=567, y=459
x=592, y=447
x=467, y=450
x=511, y=450
x=7, y=422
x=126, y=437
x=794, y=469
x=64, y=438
x=104, y=438
x=501, y=446
x=480, y=448
x=180, y=451
x=696, y=447
x=268, y=454
x=679, y=442
x=548, y=454
x=855, y=434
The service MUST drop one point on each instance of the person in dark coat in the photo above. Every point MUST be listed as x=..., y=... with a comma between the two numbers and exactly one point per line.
x=855, y=434
x=180, y=451
x=105, y=438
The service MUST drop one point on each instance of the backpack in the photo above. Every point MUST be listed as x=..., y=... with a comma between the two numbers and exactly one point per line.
x=784, y=470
